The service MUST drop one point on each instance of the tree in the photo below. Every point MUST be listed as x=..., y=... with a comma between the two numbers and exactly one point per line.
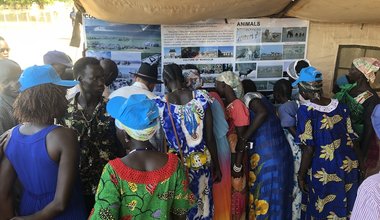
x=27, y=3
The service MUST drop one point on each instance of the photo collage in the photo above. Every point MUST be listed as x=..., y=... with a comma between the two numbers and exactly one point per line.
x=263, y=54
x=259, y=53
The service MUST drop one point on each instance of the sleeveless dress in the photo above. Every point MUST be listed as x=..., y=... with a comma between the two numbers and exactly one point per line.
x=271, y=170
x=189, y=124
x=38, y=174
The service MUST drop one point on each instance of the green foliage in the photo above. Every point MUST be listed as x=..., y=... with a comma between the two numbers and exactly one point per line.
x=27, y=3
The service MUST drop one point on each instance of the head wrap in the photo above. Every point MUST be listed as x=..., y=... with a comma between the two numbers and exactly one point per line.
x=140, y=135
x=310, y=81
x=192, y=78
x=233, y=81
x=292, y=72
x=137, y=115
x=251, y=95
x=368, y=66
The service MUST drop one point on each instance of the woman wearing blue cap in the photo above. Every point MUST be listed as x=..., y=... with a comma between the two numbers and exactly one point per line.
x=328, y=174
x=43, y=156
x=145, y=184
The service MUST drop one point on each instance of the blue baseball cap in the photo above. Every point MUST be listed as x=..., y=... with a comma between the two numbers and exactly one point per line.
x=137, y=112
x=308, y=74
x=38, y=75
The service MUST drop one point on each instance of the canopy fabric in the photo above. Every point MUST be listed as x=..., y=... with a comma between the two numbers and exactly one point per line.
x=179, y=11
x=337, y=11
x=184, y=11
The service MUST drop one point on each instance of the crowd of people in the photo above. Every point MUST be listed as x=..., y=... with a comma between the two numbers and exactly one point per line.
x=78, y=149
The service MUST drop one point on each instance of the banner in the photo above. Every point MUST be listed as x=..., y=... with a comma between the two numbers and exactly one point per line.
x=256, y=49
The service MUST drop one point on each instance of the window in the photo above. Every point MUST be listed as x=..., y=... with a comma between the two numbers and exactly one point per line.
x=347, y=53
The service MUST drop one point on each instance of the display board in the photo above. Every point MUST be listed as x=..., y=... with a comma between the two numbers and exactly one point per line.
x=257, y=49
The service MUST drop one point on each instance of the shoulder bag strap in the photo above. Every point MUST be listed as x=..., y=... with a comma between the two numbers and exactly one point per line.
x=175, y=131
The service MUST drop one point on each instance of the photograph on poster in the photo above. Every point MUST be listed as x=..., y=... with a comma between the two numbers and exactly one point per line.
x=208, y=81
x=261, y=85
x=269, y=71
x=296, y=51
x=293, y=34
x=248, y=35
x=122, y=58
x=264, y=85
x=213, y=68
x=99, y=54
x=247, y=53
x=246, y=69
x=151, y=58
x=127, y=72
x=208, y=52
x=172, y=52
x=226, y=51
x=271, y=52
x=121, y=37
x=190, y=52
x=271, y=35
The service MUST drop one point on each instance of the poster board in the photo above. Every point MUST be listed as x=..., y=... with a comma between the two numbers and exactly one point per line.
x=256, y=49
x=128, y=45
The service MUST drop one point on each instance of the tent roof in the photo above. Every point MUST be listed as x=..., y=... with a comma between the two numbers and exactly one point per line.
x=183, y=11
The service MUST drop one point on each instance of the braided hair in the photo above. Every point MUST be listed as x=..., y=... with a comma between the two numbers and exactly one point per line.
x=172, y=73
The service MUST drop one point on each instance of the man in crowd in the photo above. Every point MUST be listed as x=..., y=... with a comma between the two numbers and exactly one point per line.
x=60, y=62
x=110, y=72
x=4, y=49
x=10, y=71
x=146, y=79
x=87, y=115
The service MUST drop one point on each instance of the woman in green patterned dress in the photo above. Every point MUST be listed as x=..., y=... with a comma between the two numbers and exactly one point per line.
x=145, y=184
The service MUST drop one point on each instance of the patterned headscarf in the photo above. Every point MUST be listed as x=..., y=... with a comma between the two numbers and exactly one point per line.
x=368, y=66
x=192, y=78
x=232, y=80
x=251, y=95
x=140, y=135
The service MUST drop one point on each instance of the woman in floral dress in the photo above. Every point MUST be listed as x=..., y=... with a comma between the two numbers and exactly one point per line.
x=329, y=174
x=187, y=122
x=145, y=184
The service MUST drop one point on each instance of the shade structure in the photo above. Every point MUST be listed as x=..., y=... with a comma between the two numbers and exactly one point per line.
x=185, y=11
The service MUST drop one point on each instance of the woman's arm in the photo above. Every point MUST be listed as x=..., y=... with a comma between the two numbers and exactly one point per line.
x=292, y=130
x=368, y=130
x=261, y=114
x=211, y=145
x=307, y=155
x=67, y=150
x=8, y=178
